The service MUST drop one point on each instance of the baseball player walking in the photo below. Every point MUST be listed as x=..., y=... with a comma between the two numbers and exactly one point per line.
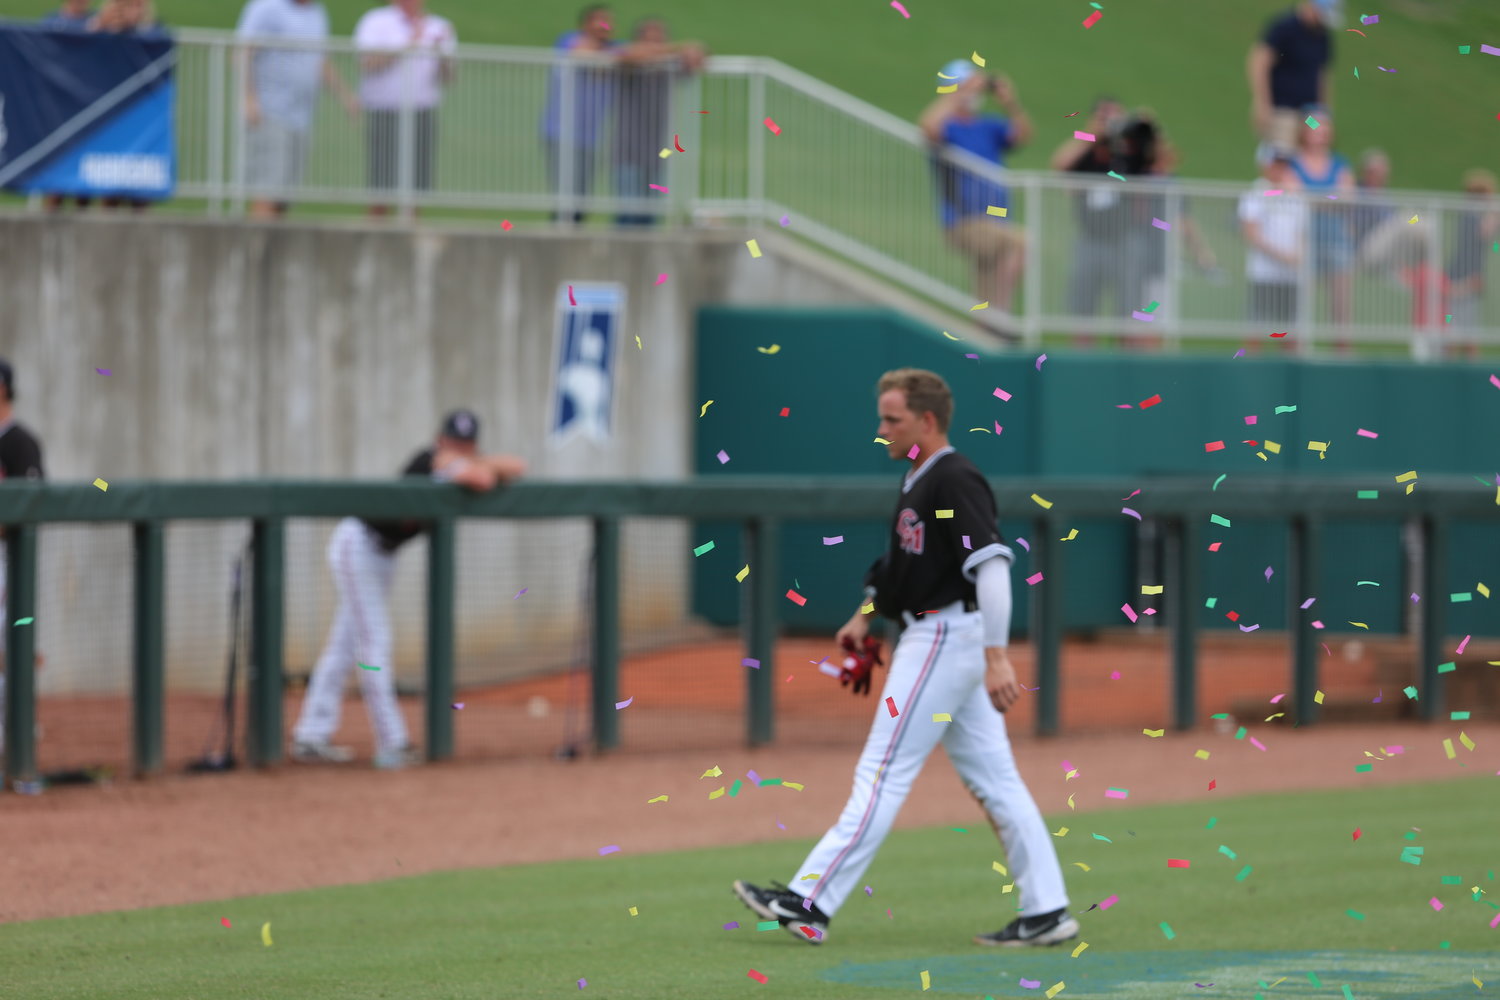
x=946, y=573
x=362, y=555
x=20, y=458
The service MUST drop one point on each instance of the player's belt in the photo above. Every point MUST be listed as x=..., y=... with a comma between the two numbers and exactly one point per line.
x=956, y=608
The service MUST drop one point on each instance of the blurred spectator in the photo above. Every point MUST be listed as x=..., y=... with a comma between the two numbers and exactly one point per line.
x=644, y=111
x=1322, y=173
x=406, y=58
x=72, y=14
x=1275, y=230
x=20, y=458
x=1374, y=208
x=281, y=93
x=1475, y=230
x=954, y=121
x=1430, y=290
x=1154, y=241
x=1288, y=69
x=126, y=17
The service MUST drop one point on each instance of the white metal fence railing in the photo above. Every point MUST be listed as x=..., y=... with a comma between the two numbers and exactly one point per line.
x=530, y=130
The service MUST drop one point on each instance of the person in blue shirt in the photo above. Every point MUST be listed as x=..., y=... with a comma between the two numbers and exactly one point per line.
x=72, y=14
x=955, y=121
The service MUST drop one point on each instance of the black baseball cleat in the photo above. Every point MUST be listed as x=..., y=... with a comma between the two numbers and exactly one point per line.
x=1049, y=928
x=801, y=920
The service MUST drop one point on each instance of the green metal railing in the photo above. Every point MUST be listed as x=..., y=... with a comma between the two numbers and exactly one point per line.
x=761, y=504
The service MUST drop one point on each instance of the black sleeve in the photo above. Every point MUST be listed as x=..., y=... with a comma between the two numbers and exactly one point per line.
x=420, y=465
x=21, y=456
x=968, y=496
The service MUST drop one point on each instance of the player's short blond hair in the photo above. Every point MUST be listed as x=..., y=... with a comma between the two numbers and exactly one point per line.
x=926, y=392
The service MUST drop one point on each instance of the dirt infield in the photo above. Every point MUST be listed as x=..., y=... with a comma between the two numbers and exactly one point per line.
x=183, y=838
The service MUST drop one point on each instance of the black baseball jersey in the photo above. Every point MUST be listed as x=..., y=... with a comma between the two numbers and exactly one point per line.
x=394, y=534
x=928, y=565
x=20, y=453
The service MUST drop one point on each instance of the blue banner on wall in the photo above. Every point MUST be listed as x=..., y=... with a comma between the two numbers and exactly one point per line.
x=88, y=114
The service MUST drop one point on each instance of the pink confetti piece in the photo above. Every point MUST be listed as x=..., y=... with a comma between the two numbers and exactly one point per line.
x=998, y=429
x=1257, y=744
x=624, y=704
x=1114, y=675
x=1129, y=612
x=1030, y=984
x=1317, y=624
x=832, y=539
x=1460, y=650
x=785, y=221
x=1366, y=434
x=1149, y=611
x=1251, y=420
x=747, y=662
x=775, y=129
x=1133, y=493
x=723, y=457
x=225, y=922
x=1272, y=193
x=658, y=187
x=897, y=4
x=1108, y=902
x=1124, y=406
x=1092, y=19
x=1143, y=317
x=1034, y=579
x=1116, y=793
x=1002, y=394
x=1085, y=136
x=571, y=300
x=104, y=371
x=519, y=593
x=1495, y=381
x=1277, y=700
x=1039, y=362
x=915, y=451
x=1159, y=224
x=1435, y=903
x=611, y=849
x=661, y=279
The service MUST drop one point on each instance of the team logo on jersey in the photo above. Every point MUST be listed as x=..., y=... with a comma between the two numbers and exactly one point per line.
x=911, y=531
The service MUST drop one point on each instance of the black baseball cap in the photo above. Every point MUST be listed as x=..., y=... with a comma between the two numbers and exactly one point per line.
x=460, y=425
x=7, y=378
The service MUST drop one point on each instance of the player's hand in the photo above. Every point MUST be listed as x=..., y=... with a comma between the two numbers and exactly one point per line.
x=1004, y=90
x=860, y=664
x=852, y=634
x=1000, y=678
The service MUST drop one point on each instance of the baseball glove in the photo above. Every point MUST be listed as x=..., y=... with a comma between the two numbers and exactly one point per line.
x=860, y=663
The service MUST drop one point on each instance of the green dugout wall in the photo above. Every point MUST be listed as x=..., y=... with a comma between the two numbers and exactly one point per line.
x=1065, y=419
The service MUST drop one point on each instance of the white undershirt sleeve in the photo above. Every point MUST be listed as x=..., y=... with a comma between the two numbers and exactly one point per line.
x=992, y=587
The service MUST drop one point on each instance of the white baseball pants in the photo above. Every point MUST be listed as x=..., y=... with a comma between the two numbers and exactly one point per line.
x=937, y=667
x=360, y=637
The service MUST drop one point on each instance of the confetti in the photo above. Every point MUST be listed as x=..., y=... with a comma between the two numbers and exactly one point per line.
x=506, y=225
x=658, y=187
x=982, y=305
x=926, y=980
x=1092, y=19
x=754, y=248
x=1146, y=404
x=24, y=621
x=624, y=704
x=1056, y=987
x=740, y=578
x=659, y=798
x=774, y=347
x=941, y=717
x=704, y=548
x=571, y=300
x=1044, y=504
x=1143, y=317
x=1178, y=863
x=996, y=210
x=1031, y=984
x=1312, y=122
x=1133, y=513
x=760, y=977
x=733, y=925
x=225, y=922
x=104, y=371
x=265, y=934
x=896, y=4
x=723, y=457
x=705, y=407
x=1085, y=136
x=890, y=704
x=785, y=220
x=1214, y=446
x=366, y=666
x=1369, y=19
x=661, y=279
x=775, y=129
x=102, y=486
x=677, y=143
x=1166, y=929
x=1039, y=361
x=1034, y=579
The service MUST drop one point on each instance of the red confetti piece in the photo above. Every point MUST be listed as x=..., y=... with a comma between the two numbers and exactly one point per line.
x=1214, y=446
x=225, y=921
x=505, y=224
x=796, y=598
x=1213, y=784
x=786, y=411
x=775, y=129
x=1233, y=616
x=759, y=977
x=890, y=704
x=678, y=142
x=1178, y=863
x=1281, y=334
x=1356, y=833
x=1151, y=402
x=1093, y=19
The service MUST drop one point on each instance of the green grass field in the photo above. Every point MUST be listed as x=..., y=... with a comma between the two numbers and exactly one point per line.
x=535, y=931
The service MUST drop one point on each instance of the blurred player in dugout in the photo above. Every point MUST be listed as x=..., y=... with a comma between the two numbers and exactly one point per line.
x=362, y=555
x=20, y=458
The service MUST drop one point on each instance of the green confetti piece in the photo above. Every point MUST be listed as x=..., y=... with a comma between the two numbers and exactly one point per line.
x=1286, y=409
x=1222, y=521
x=1312, y=977
x=1461, y=598
x=1367, y=495
x=1453, y=880
x=1411, y=859
x=1446, y=944
x=767, y=925
x=1410, y=692
x=1220, y=715
x=1223, y=476
x=1241, y=734
x=1363, y=768
x=1244, y=874
x=1100, y=836
x=24, y=621
x=958, y=829
x=1366, y=583
x=705, y=547
x=1458, y=716
x=1463, y=50
x=1447, y=668
x=769, y=781
x=1210, y=602
x=1356, y=72
x=1312, y=122
x=365, y=666
x=1213, y=821
x=1348, y=993
x=1355, y=914
x=1152, y=307
x=734, y=789
x=1227, y=852
x=1166, y=929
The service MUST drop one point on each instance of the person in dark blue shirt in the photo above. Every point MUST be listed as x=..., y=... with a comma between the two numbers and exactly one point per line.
x=1288, y=70
x=973, y=205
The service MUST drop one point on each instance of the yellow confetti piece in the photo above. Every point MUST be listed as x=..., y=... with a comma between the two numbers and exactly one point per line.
x=951, y=337
x=978, y=60
x=1482, y=589
x=1007, y=887
x=1201, y=754
x=867, y=609
x=1044, y=504
x=943, y=514
x=1080, y=864
x=941, y=717
x=769, y=350
x=754, y=248
x=712, y=772
x=795, y=786
x=1151, y=590
x=638, y=346
x=102, y=485
x=1080, y=949
x=1278, y=715
x=1477, y=981
x=1272, y=447
x=1359, y=625
x=716, y=793
x=985, y=429
x=1055, y=989
x=659, y=798
x=996, y=210
x=1406, y=476
x=1062, y=831
x=926, y=980
x=705, y=407
x=1317, y=697
x=1153, y=733
x=997, y=866
x=950, y=89
x=881, y=440
x=809, y=876
x=1448, y=749
x=1317, y=446
x=1412, y=221
x=982, y=305
x=1070, y=803
x=1071, y=775
x=634, y=912
x=740, y=576
x=265, y=934
x=1262, y=456
x=1464, y=739
x=665, y=152
x=1072, y=534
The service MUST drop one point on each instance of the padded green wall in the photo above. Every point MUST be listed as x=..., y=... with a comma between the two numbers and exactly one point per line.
x=1063, y=420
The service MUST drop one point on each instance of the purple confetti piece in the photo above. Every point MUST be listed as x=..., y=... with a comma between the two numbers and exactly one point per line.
x=1159, y=224
x=967, y=545
x=624, y=704
x=1248, y=628
x=1384, y=70
x=780, y=825
x=732, y=925
x=1369, y=19
x=1308, y=603
x=1024, y=544
x=1203, y=986
x=723, y=457
x=754, y=778
x=1039, y=361
x=1240, y=353
x=1489, y=50
x=1133, y=513
x=1269, y=571
x=519, y=593
x=458, y=706
x=1031, y=984
x=1378, y=697
x=1415, y=598
x=1143, y=317
x=104, y=371
x=786, y=221
x=582, y=983
x=747, y=662
x=869, y=891
x=611, y=849
x=832, y=539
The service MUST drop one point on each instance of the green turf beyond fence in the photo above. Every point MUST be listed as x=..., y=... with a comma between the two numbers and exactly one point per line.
x=1278, y=891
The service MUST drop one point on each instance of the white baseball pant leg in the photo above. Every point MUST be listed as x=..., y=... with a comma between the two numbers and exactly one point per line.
x=5, y=623
x=937, y=667
x=360, y=635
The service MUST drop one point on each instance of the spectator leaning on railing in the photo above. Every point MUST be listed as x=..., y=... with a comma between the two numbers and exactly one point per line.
x=1474, y=232
x=281, y=95
x=1273, y=219
x=406, y=56
x=644, y=113
x=1323, y=172
x=996, y=247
